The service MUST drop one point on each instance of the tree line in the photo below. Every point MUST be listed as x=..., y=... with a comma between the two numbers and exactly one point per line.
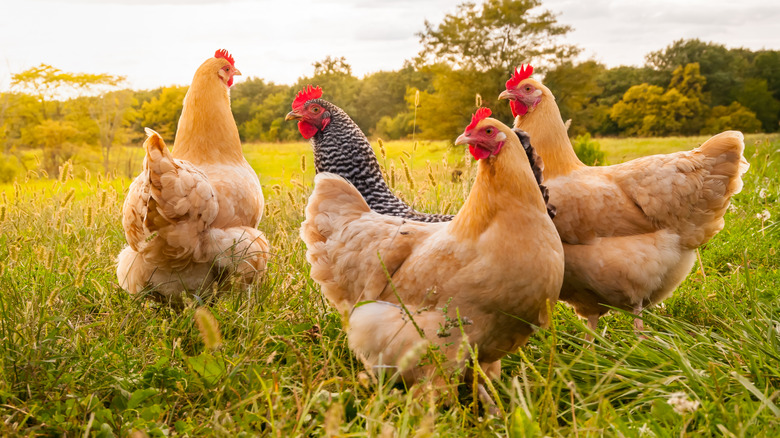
x=689, y=87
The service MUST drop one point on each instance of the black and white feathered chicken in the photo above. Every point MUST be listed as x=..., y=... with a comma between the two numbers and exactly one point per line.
x=340, y=147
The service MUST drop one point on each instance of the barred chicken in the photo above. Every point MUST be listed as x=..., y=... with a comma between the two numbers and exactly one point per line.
x=340, y=147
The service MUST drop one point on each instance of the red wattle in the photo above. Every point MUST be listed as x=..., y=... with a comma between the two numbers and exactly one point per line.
x=306, y=129
x=478, y=152
x=518, y=108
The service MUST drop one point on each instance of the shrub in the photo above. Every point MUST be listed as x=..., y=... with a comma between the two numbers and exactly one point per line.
x=9, y=169
x=735, y=116
x=588, y=150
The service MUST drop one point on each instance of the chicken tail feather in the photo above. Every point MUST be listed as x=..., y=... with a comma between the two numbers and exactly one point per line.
x=727, y=164
x=727, y=148
x=333, y=203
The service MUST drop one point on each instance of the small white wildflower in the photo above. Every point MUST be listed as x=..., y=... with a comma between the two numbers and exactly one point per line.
x=646, y=431
x=762, y=193
x=764, y=215
x=682, y=404
x=732, y=208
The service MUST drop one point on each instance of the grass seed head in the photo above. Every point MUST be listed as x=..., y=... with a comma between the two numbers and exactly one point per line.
x=64, y=265
x=89, y=217
x=303, y=163
x=408, y=173
x=68, y=198
x=382, y=148
x=478, y=100
x=65, y=170
x=49, y=260
x=103, y=196
x=431, y=178
x=3, y=212
x=334, y=417
x=208, y=328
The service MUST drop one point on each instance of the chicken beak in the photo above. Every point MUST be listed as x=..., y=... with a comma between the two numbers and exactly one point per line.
x=236, y=72
x=506, y=94
x=463, y=139
x=292, y=115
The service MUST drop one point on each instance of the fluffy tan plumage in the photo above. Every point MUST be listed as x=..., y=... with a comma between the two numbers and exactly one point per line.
x=191, y=216
x=630, y=230
x=499, y=262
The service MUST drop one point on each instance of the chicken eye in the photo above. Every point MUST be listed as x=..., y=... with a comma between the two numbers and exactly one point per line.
x=315, y=109
x=489, y=131
x=528, y=88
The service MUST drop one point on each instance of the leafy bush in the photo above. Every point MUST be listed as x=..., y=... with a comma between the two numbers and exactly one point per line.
x=588, y=150
x=9, y=169
x=735, y=116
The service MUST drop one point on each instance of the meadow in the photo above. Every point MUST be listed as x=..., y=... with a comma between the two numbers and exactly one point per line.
x=80, y=357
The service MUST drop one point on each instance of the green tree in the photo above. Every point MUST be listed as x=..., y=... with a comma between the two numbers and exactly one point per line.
x=162, y=112
x=755, y=95
x=259, y=108
x=576, y=88
x=649, y=111
x=446, y=109
x=111, y=112
x=688, y=80
x=723, y=68
x=381, y=96
x=690, y=83
x=48, y=83
x=267, y=123
x=766, y=65
x=496, y=35
x=55, y=138
x=735, y=116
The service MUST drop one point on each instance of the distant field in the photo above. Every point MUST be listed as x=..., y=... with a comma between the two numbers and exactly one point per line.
x=277, y=162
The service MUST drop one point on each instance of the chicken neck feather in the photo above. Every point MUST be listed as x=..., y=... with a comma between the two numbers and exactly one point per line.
x=550, y=137
x=207, y=132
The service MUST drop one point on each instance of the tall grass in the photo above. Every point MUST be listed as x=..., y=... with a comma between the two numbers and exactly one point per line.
x=80, y=357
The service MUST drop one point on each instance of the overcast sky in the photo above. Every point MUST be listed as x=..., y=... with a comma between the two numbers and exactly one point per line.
x=162, y=42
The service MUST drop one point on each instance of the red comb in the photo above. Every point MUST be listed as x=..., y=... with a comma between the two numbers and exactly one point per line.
x=308, y=93
x=524, y=73
x=222, y=53
x=481, y=114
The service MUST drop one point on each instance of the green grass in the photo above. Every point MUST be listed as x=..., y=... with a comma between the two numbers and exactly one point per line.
x=80, y=357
